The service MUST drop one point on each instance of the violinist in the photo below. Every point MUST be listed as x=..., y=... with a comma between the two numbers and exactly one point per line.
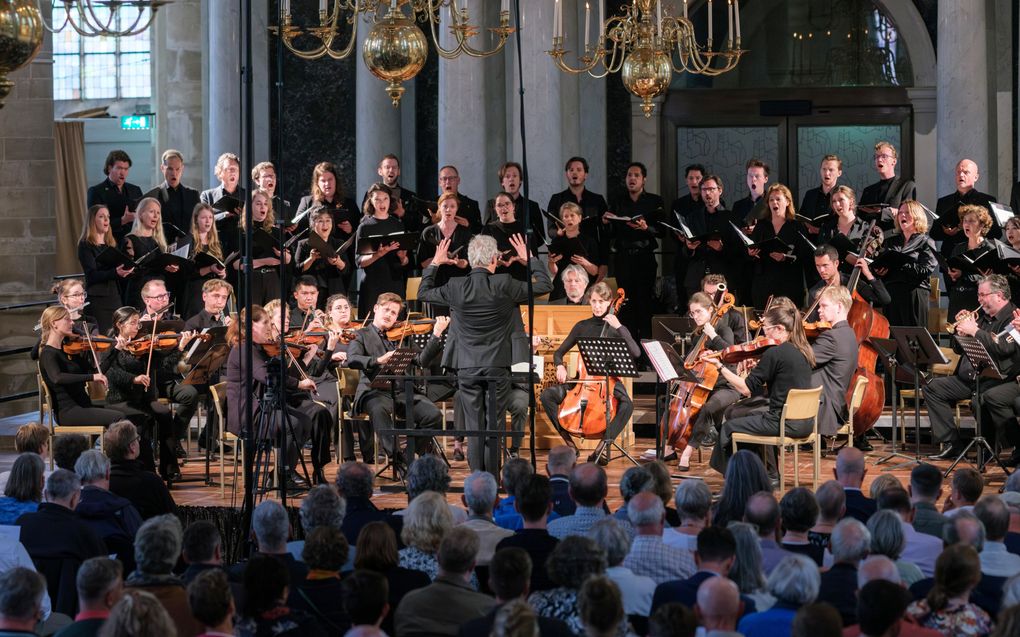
x=777, y=273
x=447, y=227
x=870, y=287
x=202, y=238
x=909, y=285
x=603, y=323
x=340, y=327
x=328, y=273
x=306, y=301
x=386, y=268
x=146, y=236
x=101, y=283
x=132, y=390
x=781, y=368
x=215, y=295
x=835, y=351
x=300, y=424
x=961, y=286
x=265, y=274
x=734, y=319
x=941, y=394
x=368, y=352
x=588, y=259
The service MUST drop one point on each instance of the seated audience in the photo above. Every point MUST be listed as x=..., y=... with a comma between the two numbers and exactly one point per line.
x=157, y=548
x=559, y=466
x=320, y=507
x=850, y=471
x=919, y=548
x=67, y=448
x=601, y=608
x=201, y=549
x=693, y=500
x=21, y=594
x=799, y=511
x=676, y=620
x=270, y=525
x=450, y=600
x=24, y=489
x=816, y=620
x=588, y=490
x=354, y=482
x=12, y=554
x=30, y=438
x=717, y=550
x=887, y=538
x=996, y=560
x=515, y=619
x=114, y=518
x=925, y=489
x=212, y=603
x=264, y=610
x=947, y=607
x=662, y=486
x=633, y=481
x=129, y=479
x=831, y=501
x=964, y=491
x=794, y=582
x=430, y=473
x=377, y=553
x=100, y=586
x=480, y=497
x=881, y=483
x=762, y=511
x=365, y=600
x=575, y=559
x=746, y=570
x=648, y=555
x=745, y=476
x=616, y=541
x=514, y=473
x=138, y=614
x=325, y=552
x=718, y=606
x=880, y=569
x=426, y=522
x=532, y=503
x=851, y=543
x=881, y=607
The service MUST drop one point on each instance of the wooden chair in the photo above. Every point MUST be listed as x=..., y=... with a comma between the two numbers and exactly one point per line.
x=46, y=406
x=856, y=398
x=219, y=400
x=800, y=405
x=347, y=386
x=947, y=369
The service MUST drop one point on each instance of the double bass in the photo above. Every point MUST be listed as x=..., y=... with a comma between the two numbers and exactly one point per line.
x=689, y=397
x=590, y=405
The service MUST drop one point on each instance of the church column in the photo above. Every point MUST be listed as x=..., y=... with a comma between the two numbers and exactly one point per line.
x=223, y=97
x=378, y=121
x=177, y=41
x=647, y=142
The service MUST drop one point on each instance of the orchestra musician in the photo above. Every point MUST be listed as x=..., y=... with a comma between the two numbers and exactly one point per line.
x=510, y=177
x=590, y=260
x=202, y=237
x=778, y=273
x=71, y=296
x=818, y=200
x=215, y=294
x=100, y=282
x=115, y=194
x=941, y=394
x=950, y=209
x=146, y=236
x=733, y=318
x=385, y=268
x=603, y=323
x=890, y=189
x=962, y=285
x=300, y=424
x=869, y=286
x=835, y=352
x=590, y=206
x=228, y=171
x=447, y=227
x=574, y=281
x=716, y=253
x=329, y=273
x=306, y=312
x=781, y=368
x=909, y=285
x=265, y=274
x=469, y=215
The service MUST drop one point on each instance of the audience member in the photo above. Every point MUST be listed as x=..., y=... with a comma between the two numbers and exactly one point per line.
x=365, y=598
x=426, y=523
x=12, y=554
x=100, y=586
x=430, y=473
x=212, y=603
x=925, y=490
x=745, y=476
x=964, y=491
x=514, y=473
x=270, y=525
x=1012, y=500
x=67, y=448
x=882, y=606
x=588, y=490
x=718, y=606
x=882, y=482
x=30, y=438
x=850, y=471
x=450, y=600
x=481, y=497
x=322, y=506
x=794, y=582
x=1008, y=623
x=1011, y=591
x=129, y=479
x=675, y=620
x=616, y=541
x=601, y=608
x=816, y=620
x=693, y=500
x=201, y=549
x=265, y=610
x=875, y=567
x=746, y=571
x=996, y=560
x=24, y=489
x=575, y=559
x=762, y=511
x=157, y=547
x=325, y=552
x=515, y=619
x=559, y=465
x=354, y=481
x=947, y=608
x=717, y=550
x=919, y=548
x=799, y=512
x=662, y=486
x=648, y=554
x=886, y=529
x=633, y=481
x=21, y=594
x=831, y=501
x=533, y=503
x=851, y=543
x=138, y=614
x=114, y=518
x=377, y=553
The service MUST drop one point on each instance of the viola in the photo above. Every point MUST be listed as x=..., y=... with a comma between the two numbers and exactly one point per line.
x=410, y=327
x=76, y=344
x=815, y=328
x=272, y=348
x=162, y=342
x=744, y=351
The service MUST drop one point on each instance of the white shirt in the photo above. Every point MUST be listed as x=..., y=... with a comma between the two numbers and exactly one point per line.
x=637, y=590
x=997, y=561
x=920, y=549
x=672, y=537
x=13, y=553
x=951, y=513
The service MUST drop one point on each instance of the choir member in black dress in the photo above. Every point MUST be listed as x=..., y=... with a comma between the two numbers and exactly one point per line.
x=591, y=204
x=605, y=324
x=781, y=368
x=228, y=171
x=753, y=208
x=506, y=225
x=718, y=251
x=404, y=204
x=330, y=273
x=327, y=191
x=100, y=282
x=826, y=262
x=202, y=237
x=817, y=200
x=949, y=210
x=265, y=275
x=635, y=243
x=961, y=285
x=682, y=207
x=385, y=268
x=845, y=222
x=146, y=235
x=1013, y=238
x=469, y=215
x=510, y=176
x=778, y=273
x=591, y=259
x=176, y=200
x=263, y=176
x=118, y=196
x=132, y=390
x=909, y=285
x=447, y=227
x=890, y=189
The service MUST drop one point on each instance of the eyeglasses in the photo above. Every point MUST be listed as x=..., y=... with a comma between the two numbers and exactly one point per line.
x=164, y=295
x=883, y=156
x=770, y=327
x=450, y=178
x=78, y=295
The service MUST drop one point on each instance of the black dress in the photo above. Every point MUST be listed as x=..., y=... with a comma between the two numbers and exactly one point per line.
x=329, y=279
x=385, y=274
x=963, y=292
x=142, y=275
x=592, y=252
x=778, y=278
x=100, y=285
x=430, y=238
x=909, y=285
x=502, y=232
x=191, y=296
x=65, y=377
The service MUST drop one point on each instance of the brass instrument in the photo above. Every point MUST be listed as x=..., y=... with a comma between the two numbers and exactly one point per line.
x=962, y=316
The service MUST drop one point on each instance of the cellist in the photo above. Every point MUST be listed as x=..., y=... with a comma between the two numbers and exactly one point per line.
x=603, y=323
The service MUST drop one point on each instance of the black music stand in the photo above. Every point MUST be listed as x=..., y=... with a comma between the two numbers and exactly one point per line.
x=607, y=357
x=206, y=359
x=914, y=348
x=397, y=366
x=983, y=365
x=672, y=329
x=669, y=368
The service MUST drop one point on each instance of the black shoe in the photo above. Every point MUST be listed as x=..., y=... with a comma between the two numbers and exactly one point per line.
x=949, y=452
x=1013, y=461
x=172, y=475
x=318, y=476
x=179, y=450
x=862, y=443
x=458, y=454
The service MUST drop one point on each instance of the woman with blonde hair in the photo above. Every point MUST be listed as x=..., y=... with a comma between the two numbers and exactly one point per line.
x=138, y=614
x=101, y=282
x=146, y=236
x=961, y=286
x=426, y=521
x=265, y=274
x=779, y=272
x=386, y=266
x=203, y=238
x=909, y=284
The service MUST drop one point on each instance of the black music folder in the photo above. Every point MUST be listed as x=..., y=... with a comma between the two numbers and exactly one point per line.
x=371, y=243
x=567, y=247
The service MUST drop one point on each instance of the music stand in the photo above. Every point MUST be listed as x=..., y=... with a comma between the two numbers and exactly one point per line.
x=397, y=365
x=607, y=357
x=983, y=365
x=669, y=368
x=914, y=349
x=674, y=330
x=206, y=357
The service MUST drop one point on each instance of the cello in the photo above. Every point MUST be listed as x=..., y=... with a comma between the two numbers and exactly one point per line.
x=586, y=410
x=690, y=397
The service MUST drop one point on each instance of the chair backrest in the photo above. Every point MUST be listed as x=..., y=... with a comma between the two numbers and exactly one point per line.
x=946, y=369
x=858, y=395
x=348, y=381
x=802, y=404
x=413, y=283
x=47, y=400
x=219, y=396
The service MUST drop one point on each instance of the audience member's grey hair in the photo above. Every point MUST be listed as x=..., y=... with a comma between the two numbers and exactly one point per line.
x=482, y=249
x=747, y=567
x=795, y=580
x=270, y=525
x=21, y=592
x=877, y=567
x=831, y=499
x=480, y=492
x=994, y=514
x=158, y=544
x=887, y=538
x=573, y=268
x=96, y=577
x=1011, y=592
x=850, y=541
x=652, y=514
x=427, y=473
x=61, y=485
x=92, y=466
x=614, y=539
x=458, y=550
x=322, y=507
x=355, y=480
x=693, y=500
x=974, y=536
x=634, y=481
x=515, y=472
x=1013, y=482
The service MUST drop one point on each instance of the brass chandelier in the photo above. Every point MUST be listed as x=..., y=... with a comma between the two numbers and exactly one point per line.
x=106, y=18
x=396, y=48
x=647, y=45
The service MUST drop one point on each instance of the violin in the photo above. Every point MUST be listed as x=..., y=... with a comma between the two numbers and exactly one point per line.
x=272, y=348
x=76, y=345
x=162, y=342
x=410, y=327
x=744, y=351
x=813, y=329
x=300, y=337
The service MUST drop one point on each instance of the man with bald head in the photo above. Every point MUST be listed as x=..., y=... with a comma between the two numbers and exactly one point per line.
x=947, y=229
x=719, y=607
x=850, y=471
x=588, y=489
x=649, y=556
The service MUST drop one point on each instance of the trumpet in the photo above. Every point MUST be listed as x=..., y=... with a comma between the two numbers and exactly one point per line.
x=962, y=316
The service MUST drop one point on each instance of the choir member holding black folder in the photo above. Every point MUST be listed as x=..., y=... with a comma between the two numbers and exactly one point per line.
x=147, y=246
x=949, y=210
x=963, y=269
x=816, y=207
x=327, y=192
x=446, y=228
x=571, y=245
x=322, y=256
x=775, y=247
x=206, y=258
x=101, y=278
x=119, y=197
x=845, y=229
x=228, y=198
x=707, y=237
x=906, y=265
x=382, y=245
x=266, y=254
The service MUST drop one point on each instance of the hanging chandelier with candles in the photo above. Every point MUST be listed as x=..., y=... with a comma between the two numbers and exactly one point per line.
x=396, y=49
x=105, y=18
x=646, y=45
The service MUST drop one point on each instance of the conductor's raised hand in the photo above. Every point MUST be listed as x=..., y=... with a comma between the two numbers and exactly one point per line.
x=442, y=256
x=520, y=245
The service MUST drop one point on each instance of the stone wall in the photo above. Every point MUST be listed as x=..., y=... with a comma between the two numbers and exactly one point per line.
x=177, y=87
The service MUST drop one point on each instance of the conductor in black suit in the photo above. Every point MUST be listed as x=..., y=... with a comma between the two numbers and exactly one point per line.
x=482, y=307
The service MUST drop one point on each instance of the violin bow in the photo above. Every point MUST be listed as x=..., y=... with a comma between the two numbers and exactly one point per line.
x=152, y=342
x=92, y=347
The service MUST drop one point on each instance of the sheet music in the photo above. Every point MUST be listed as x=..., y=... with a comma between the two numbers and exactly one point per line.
x=1001, y=213
x=537, y=366
x=220, y=216
x=660, y=361
x=182, y=251
x=195, y=343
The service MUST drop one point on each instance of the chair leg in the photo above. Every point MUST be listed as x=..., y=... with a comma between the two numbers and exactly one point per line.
x=782, y=468
x=796, y=465
x=817, y=462
x=222, y=469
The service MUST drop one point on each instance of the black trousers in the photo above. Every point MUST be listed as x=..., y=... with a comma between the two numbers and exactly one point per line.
x=711, y=414
x=759, y=423
x=380, y=409
x=995, y=407
x=552, y=398
x=636, y=274
x=298, y=429
x=106, y=416
x=157, y=425
x=483, y=403
x=186, y=399
x=909, y=305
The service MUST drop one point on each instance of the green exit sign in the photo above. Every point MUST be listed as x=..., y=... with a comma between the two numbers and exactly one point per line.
x=136, y=122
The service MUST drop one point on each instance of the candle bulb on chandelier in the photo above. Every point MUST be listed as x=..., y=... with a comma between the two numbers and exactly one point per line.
x=658, y=15
x=602, y=21
x=736, y=10
x=505, y=6
x=587, y=24
x=685, y=9
x=729, y=24
x=322, y=6
x=710, y=21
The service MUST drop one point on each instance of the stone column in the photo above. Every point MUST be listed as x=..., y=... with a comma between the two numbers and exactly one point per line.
x=925, y=146
x=223, y=97
x=647, y=142
x=378, y=121
x=177, y=47
x=261, y=40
